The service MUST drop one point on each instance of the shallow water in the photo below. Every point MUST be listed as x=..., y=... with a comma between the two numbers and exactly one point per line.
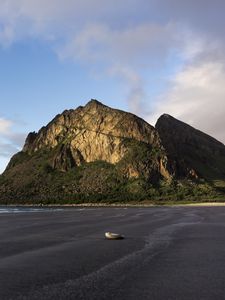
x=7, y=210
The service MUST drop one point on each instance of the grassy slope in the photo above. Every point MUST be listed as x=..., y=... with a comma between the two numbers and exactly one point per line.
x=32, y=180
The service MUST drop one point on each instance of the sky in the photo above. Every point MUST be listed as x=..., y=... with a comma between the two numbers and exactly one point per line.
x=148, y=57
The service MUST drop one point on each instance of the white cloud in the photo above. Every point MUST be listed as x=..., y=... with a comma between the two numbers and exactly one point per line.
x=7, y=149
x=137, y=44
x=3, y=162
x=6, y=36
x=5, y=126
x=11, y=141
x=135, y=86
x=122, y=53
x=58, y=19
x=197, y=97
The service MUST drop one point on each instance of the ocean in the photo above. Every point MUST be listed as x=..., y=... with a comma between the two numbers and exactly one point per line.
x=24, y=209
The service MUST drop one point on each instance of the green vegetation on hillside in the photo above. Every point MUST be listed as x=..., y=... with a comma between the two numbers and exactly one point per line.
x=93, y=182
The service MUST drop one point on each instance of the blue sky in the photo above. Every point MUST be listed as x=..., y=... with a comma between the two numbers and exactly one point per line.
x=147, y=57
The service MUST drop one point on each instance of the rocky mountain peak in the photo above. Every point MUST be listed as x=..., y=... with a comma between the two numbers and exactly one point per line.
x=95, y=132
x=193, y=151
x=165, y=116
x=94, y=103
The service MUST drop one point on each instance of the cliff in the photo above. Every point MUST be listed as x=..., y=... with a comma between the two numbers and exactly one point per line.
x=195, y=153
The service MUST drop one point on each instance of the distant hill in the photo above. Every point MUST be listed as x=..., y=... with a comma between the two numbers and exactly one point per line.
x=96, y=153
x=195, y=153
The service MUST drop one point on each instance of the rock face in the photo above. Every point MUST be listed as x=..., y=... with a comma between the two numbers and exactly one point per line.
x=196, y=154
x=94, y=132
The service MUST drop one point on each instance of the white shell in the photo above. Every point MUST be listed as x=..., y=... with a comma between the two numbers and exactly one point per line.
x=113, y=236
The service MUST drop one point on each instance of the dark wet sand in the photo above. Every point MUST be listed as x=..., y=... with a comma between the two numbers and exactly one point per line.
x=168, y=253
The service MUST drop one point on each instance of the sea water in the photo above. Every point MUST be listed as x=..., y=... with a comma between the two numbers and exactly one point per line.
x=7, y=209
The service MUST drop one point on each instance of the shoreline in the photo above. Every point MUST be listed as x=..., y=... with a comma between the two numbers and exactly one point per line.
x=114, y=205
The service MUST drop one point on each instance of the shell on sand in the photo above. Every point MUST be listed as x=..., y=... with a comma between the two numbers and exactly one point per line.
x=113, y=236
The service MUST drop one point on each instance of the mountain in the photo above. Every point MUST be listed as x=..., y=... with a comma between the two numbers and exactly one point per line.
x=195, y=153
x=93, y=149
x=97, y=153
x=96, y=132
